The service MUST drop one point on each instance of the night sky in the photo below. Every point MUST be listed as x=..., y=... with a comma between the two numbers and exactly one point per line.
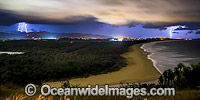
x=116, y=18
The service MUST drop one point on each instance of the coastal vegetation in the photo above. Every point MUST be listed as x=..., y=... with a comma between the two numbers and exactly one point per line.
x=181, y=77
x=53, y=60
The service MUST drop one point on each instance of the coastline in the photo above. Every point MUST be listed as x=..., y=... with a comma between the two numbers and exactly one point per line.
x=149, y=56
x=139, y=69
x=167, y=54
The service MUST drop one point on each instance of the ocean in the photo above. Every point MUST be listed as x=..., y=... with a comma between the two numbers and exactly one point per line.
x=167, y=54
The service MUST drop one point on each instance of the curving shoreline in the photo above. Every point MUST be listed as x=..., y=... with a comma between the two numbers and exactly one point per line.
x=167, y=54
x=139, y=69
x=149, y=56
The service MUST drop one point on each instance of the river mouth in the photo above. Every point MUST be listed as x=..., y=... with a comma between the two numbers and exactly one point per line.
x=12, y=53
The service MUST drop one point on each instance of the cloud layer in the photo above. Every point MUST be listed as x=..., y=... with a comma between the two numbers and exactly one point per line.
x=116, y=12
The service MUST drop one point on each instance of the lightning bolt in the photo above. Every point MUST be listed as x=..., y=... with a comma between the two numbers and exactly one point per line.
x=171, y=30
x=22, y=27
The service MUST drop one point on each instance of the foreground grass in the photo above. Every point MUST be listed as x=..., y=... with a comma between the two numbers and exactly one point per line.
x=139, y=69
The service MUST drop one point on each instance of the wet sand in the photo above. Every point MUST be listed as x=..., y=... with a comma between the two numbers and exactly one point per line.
x=139, y=69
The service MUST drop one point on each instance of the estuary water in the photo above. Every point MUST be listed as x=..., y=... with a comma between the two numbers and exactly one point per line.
x=11, y=53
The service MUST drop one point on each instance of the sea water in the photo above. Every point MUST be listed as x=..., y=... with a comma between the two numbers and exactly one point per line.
x=167, y=54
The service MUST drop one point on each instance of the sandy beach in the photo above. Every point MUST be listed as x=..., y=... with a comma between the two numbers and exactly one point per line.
x=139, y=69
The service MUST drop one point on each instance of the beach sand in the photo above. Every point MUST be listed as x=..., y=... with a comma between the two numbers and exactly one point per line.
x=139, y=69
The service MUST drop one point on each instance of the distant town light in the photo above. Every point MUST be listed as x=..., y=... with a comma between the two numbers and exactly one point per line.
x=120, y=39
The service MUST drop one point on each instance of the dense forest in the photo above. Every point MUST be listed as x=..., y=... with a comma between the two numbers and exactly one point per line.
x=57, y=59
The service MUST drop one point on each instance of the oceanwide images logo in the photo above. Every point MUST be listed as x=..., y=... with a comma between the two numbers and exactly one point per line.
x=30, y=89
x=46, y=90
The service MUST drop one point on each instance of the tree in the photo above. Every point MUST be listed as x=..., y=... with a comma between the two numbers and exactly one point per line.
x=161, y=80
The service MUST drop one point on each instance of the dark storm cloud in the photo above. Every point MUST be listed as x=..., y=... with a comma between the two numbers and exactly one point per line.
x=159, y=25
x=175, y=32
x=9, y=18
x=190, y=32
x=198, y=32
x=162, y=26
x=189, y=26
